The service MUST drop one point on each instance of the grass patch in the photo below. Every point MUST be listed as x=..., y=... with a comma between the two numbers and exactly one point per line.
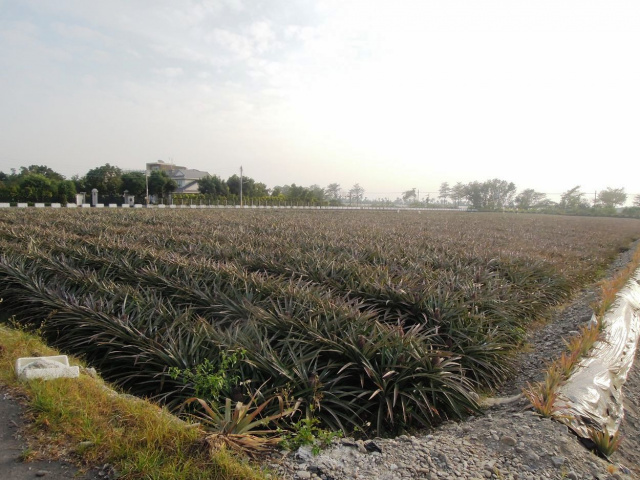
x=83, y=420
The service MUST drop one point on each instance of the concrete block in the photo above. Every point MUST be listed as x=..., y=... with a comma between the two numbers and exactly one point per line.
x=56, y=205
x=5, y=205
x=28, y=368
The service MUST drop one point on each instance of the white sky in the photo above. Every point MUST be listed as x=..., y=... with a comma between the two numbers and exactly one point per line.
x=389, y=94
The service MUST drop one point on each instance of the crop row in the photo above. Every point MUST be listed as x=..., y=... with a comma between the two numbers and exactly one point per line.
x=382, y=319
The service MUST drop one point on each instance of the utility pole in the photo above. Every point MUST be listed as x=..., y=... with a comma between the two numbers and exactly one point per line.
x=146, y=178
x=241, y=185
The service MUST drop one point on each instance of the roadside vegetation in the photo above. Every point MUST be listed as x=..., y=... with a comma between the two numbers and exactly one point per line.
x=83, y=421
x=377, y=322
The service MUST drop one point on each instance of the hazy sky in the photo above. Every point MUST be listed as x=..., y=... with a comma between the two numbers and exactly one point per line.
x=389, y=94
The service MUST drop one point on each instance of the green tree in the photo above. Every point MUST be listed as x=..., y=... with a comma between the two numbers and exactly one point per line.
x=107, y=179
x=356, y=194
x=233, y=182
x=42, y=170
x=249, y=187
x=35, y=183
x=636, y=200
x=332, y=192
x=499, y=193
x=66, y=191
x=612, y=197
x=490, y=195
x=409, y=196
x=295, y=193
x=8, y=189
x=573, y=199
x=299, y=194
x=475, y=193
x=213, y=185
x=80, y=183
x=260, y=190
x=445, y=192
x=316, y=194
x=35, y=187
x=529, y=198
x=457, y=192
x=160, y=184
x=135, y=183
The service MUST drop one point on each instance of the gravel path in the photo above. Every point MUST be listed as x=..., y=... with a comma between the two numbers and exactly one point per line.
x=508, y=442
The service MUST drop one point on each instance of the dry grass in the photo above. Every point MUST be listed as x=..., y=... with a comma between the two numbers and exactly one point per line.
x=82, y=420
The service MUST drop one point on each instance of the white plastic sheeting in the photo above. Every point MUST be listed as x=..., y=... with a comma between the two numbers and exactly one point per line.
x=592, y=397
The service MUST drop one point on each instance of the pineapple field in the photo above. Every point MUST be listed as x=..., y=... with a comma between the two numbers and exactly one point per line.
x=371, y=320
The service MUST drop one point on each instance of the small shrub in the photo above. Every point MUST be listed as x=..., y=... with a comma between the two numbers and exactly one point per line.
x=241, y=426
x=307, y=432
x=210, y=379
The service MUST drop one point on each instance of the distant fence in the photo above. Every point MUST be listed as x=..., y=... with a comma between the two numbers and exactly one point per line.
x=244, y=207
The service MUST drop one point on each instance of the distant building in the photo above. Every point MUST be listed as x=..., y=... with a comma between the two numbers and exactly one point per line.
x=167, y=167
x=185, y=178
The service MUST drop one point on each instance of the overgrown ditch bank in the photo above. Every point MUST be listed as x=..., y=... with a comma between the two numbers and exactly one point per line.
x=81, y=428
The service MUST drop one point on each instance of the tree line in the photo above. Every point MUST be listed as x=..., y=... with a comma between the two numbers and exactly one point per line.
x=496, y=194
x=212, y=187
x=39, y=183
